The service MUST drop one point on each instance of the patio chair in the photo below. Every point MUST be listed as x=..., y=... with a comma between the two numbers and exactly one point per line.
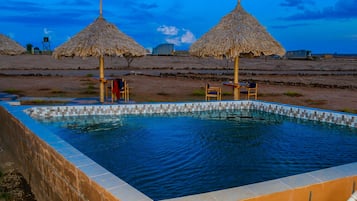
x=119, y=90
x=251, y=90
x=213, y=92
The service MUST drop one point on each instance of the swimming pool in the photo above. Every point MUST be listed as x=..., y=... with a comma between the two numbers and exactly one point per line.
x=180, y=154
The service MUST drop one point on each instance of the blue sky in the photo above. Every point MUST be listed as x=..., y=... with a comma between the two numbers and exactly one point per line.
x=323, y=26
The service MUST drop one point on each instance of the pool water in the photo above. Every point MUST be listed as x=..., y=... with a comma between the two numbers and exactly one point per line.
x=171, y=155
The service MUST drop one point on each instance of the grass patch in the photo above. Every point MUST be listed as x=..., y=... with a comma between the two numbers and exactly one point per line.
x=86, y=80
x=227, y=94
x=90, y=89
x=163, y=94
x=292, y=94
x=198, y=92
x=12, y=91
x=269, y=94
x=44, y=89
x=4, y=196
x=42, y=102
x=349, y=110
x=315, y=102
x=88, y=92
x=58, y=92
x=89, y=75
x=202, y=92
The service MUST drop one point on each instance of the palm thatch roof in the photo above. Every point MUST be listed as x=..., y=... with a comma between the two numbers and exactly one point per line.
x=100, y=38
x=238, y=32
x=9, y=46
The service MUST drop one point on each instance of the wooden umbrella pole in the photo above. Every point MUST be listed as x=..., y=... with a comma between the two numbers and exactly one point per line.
x=101, y=8
x=236, y=80
x=101, y=78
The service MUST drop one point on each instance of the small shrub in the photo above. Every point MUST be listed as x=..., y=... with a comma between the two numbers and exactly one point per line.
x=199, y=92
x=163, y=94
x=227, y=94
x=88, y=92
x=42, y=102
x=44, y=89
x=12, y=91
x=292, y=94
x=91, y=87
x=89, y=75
x=349, y=110
x=4, y=196
x=58, y=92
x=85, y=80
x=315, y=102
x=269, y=94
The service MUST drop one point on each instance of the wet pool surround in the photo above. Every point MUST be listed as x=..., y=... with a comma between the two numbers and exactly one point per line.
x=57, y=171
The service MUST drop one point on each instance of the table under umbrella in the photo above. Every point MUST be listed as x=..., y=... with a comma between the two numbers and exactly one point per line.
x=237, y=33
x=100, y=39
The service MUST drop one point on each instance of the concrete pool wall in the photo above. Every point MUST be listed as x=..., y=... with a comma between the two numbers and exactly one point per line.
x=53, y=168
x=57, y=171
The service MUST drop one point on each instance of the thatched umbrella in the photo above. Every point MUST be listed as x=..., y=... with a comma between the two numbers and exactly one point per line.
x=9, y=46
x=100, y=39
x=237, y=33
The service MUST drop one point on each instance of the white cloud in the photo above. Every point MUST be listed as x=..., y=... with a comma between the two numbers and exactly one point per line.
x=177, y=36
x=175, y=41
x=188, y=37
x=47, y=31
x=168, y=30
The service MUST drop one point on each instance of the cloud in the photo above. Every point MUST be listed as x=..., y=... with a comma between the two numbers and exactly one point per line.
x=188, y=37
x=148, y=6
x=168, y=30
x=46, y=31
x=175, y=41
x=300, y=4
x=46, y=13
x=177, y=36
x=343, y=9
x=286, y=26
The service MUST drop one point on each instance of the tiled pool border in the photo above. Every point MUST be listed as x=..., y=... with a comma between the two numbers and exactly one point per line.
x=122, y=190
x=320, y=115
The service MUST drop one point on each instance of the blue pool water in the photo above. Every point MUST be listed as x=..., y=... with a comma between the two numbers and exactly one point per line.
x=167, y=156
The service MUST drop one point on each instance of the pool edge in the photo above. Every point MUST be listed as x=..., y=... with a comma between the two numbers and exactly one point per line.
x=101, y=177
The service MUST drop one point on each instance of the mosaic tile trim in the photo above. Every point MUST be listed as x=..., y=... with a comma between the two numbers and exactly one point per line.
x=282, y=109
x=314, y=114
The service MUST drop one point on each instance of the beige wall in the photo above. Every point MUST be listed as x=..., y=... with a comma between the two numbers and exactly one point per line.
x=51, y=176
x=336, y=190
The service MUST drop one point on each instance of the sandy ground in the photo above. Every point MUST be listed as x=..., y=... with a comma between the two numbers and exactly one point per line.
x=325, y=83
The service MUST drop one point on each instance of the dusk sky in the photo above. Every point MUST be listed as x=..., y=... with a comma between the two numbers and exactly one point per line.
x=323, y=26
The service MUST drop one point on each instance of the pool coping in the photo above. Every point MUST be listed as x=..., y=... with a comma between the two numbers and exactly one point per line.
x=124, y=191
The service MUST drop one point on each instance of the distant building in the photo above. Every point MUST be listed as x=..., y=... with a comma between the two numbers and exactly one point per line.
x=164, y=50
x=299, y=54
x=46, y=49
x=36, y=50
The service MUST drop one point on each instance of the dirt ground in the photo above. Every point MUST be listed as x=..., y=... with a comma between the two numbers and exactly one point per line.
x=322, y=83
